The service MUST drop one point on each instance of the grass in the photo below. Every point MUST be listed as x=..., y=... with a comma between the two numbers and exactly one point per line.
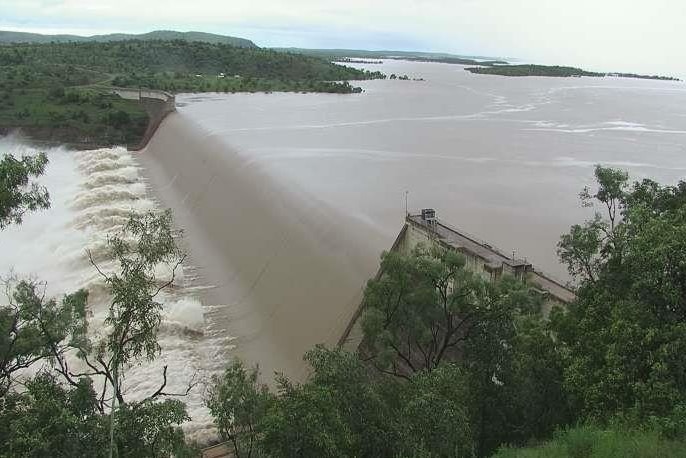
x=84, y=116
x=592, y=442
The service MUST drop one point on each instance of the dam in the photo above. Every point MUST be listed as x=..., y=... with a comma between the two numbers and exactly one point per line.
x=287, y=200
x=481, y=257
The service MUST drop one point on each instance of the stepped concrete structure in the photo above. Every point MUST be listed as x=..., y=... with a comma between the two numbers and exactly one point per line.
x=482, y=258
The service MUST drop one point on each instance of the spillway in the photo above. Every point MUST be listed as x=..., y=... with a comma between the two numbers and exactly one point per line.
x=92, y=195
x=285, y=272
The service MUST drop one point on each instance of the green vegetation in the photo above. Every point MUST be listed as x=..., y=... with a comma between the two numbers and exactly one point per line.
x=343, y=54
x=451, y=365
x=590, y=442
x=18, y=194
x=66, y=411
x=532, y=70
x=547, y=70
x=24, y=37
x=60, y=91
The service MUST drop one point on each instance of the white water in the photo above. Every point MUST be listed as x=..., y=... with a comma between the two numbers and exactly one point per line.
x=92, y=193
x=288, y=199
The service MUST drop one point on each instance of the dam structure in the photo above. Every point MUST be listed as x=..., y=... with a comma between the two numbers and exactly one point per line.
x=488, y=261
x=158, y=104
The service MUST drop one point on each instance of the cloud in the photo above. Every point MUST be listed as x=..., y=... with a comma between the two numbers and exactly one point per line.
x=620, y=35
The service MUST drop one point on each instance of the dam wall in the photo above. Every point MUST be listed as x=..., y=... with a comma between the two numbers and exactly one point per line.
x=481, y=258
x=284, y=272
x=158, y=105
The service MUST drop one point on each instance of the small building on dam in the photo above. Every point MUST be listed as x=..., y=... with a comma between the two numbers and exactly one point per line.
x=481, y=257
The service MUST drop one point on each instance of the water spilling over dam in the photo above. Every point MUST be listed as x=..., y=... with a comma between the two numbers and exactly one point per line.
x=287, y=200
x=92, y=195
x=286, y=271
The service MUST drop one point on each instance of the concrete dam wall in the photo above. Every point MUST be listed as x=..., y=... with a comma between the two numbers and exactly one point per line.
x=158, y=104
x=283, y=271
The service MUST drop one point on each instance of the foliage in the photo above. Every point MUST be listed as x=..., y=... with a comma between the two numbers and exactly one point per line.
x=238, y=404
x=593, y=442
x=33, y=328
x=151, y=429
x=61, y=91
x=344, y=409
x=18, y=193
x=624, y=338
x=426, y=306
x=434, y=415
x=517, y=385
x=497, y=68
x=531, y=70
x=48, y=420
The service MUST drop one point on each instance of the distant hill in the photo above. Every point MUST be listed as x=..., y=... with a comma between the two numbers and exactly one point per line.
x=555, y=71
x=24, y=37
x=405, y=55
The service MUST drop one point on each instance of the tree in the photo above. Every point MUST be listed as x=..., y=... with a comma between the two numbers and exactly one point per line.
x=516, y=384
x=364, y=403
x=151, y=429
x=434, y=414
x=48, y=420
x=426, y=305
x=238, y=404
x=18, y=193
x=624, y=338
x=305, y=422
x=33, y=329
x=589, y=246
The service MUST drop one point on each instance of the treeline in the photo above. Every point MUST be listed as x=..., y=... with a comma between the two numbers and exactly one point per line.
x=175, y=82
x=494, y=68
x=32, y=74
x=531, y=70
x=137, y=56
x=454, y=366
x=450, y=365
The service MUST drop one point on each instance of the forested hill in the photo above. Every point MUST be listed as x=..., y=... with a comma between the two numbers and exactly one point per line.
x=23, y=37
x=60, y=91
x=140, y=58
x=417, y=56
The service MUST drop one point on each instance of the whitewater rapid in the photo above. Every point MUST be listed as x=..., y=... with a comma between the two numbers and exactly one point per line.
x=92, y=195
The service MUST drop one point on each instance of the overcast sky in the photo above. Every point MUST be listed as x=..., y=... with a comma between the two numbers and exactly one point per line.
x=612, y=35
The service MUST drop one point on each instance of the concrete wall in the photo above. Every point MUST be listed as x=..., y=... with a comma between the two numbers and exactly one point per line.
x=158, y=104
x=412, y=235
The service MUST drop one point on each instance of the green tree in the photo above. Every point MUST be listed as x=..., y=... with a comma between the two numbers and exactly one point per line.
x=427, y=305
x=18, y=193
x=434, y=414
x=238, y=404
x=45, y=419
x=305, y=422
x=151, y=429
x=33, y=329
x=624, y=338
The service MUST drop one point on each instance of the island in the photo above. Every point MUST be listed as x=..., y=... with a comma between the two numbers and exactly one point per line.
x=552, y=71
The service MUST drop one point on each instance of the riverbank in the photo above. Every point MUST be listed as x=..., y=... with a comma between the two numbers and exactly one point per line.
x=61, y=93
x=555, y=71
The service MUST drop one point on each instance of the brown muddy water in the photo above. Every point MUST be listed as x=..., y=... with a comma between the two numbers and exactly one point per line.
x=287, y=200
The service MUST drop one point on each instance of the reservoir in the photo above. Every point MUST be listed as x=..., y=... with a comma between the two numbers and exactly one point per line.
x=287, y=200
x=503, y=158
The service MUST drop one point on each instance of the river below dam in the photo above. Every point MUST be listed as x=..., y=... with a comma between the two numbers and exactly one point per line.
x=287, y=200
